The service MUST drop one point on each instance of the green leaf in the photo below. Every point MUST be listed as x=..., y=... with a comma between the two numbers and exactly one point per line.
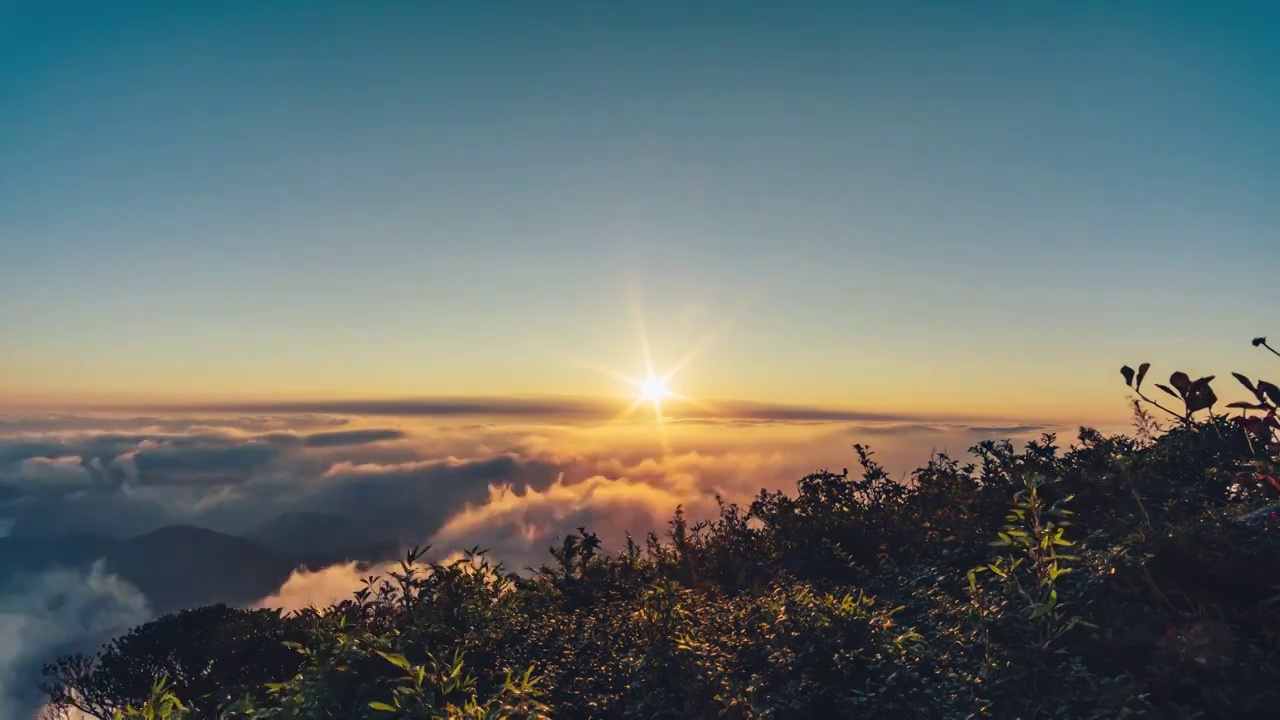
x=382, y=706
x=399, y=661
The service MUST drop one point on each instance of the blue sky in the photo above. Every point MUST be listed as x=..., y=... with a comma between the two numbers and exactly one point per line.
x=922, y=204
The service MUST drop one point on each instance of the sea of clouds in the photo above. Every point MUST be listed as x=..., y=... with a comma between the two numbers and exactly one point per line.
x=512, y=487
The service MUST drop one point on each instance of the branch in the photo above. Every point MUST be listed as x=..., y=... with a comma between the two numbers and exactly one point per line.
x=1181, y=417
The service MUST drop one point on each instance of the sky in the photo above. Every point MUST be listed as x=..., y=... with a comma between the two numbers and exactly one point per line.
x=910, y=207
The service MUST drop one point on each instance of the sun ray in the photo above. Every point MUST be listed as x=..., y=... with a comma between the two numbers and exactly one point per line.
x=613, y=374
x=638, y=310
x=626, y=412
x=661, y=423
x=698, y=348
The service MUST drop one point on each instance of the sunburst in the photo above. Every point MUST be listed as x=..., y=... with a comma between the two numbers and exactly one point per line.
x=651, y=388
x=654, y=389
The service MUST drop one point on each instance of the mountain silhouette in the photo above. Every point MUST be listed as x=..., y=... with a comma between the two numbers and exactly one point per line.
x=183, y=566
x=322, y=539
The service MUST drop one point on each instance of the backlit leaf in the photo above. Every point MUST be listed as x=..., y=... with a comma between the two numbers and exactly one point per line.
x=1246, y=406
x=1245, y=382
x=399, y=661
x=1199, y=396
x=1142, y=373
x=1271, y=391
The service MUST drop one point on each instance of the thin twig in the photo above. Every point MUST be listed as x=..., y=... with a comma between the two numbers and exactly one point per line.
x=1153, y=402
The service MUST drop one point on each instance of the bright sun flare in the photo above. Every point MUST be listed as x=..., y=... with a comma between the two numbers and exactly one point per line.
x=654, y=390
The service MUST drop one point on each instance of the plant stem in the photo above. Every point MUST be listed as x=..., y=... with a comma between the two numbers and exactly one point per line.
x=1153, y=402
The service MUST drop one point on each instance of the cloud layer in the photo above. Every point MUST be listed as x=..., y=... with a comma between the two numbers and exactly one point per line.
x=119, y=476
x=513, y=487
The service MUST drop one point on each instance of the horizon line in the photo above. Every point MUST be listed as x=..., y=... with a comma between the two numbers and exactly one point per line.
x=532, y=406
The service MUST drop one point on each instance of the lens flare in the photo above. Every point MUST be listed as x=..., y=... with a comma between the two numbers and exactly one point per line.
x=654, y=390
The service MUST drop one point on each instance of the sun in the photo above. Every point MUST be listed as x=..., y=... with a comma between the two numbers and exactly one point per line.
x=654, y=390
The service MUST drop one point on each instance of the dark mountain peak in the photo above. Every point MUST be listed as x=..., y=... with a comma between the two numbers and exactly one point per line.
x=180, y=533
x=322, y=538
x=183, y=566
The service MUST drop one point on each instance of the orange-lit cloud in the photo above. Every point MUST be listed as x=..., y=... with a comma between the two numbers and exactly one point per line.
x=323, y=587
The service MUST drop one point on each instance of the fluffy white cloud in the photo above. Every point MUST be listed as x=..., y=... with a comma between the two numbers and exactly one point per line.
x=57, y=611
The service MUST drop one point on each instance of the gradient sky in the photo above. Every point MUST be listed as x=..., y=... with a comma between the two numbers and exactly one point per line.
x=894, y=205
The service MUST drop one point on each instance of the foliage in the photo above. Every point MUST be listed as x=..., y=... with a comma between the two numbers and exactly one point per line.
x=1118, y=577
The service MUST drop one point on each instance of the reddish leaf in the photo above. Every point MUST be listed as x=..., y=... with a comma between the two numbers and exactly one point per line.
x=1271, y=391
x=1200, y=396
x=1180, y=380
x=1127, y=372
x=1142, y=372
x=1247, y=406
x=1245, y=382
x=1254, y=425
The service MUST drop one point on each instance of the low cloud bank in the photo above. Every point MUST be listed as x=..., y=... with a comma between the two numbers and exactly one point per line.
x=54, y=612
x=418, y=481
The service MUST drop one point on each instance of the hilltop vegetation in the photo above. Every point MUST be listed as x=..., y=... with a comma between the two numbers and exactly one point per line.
x=1108, y=577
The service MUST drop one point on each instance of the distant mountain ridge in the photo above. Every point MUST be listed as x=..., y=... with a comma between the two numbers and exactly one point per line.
x=322, y=535
x=183, y=566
